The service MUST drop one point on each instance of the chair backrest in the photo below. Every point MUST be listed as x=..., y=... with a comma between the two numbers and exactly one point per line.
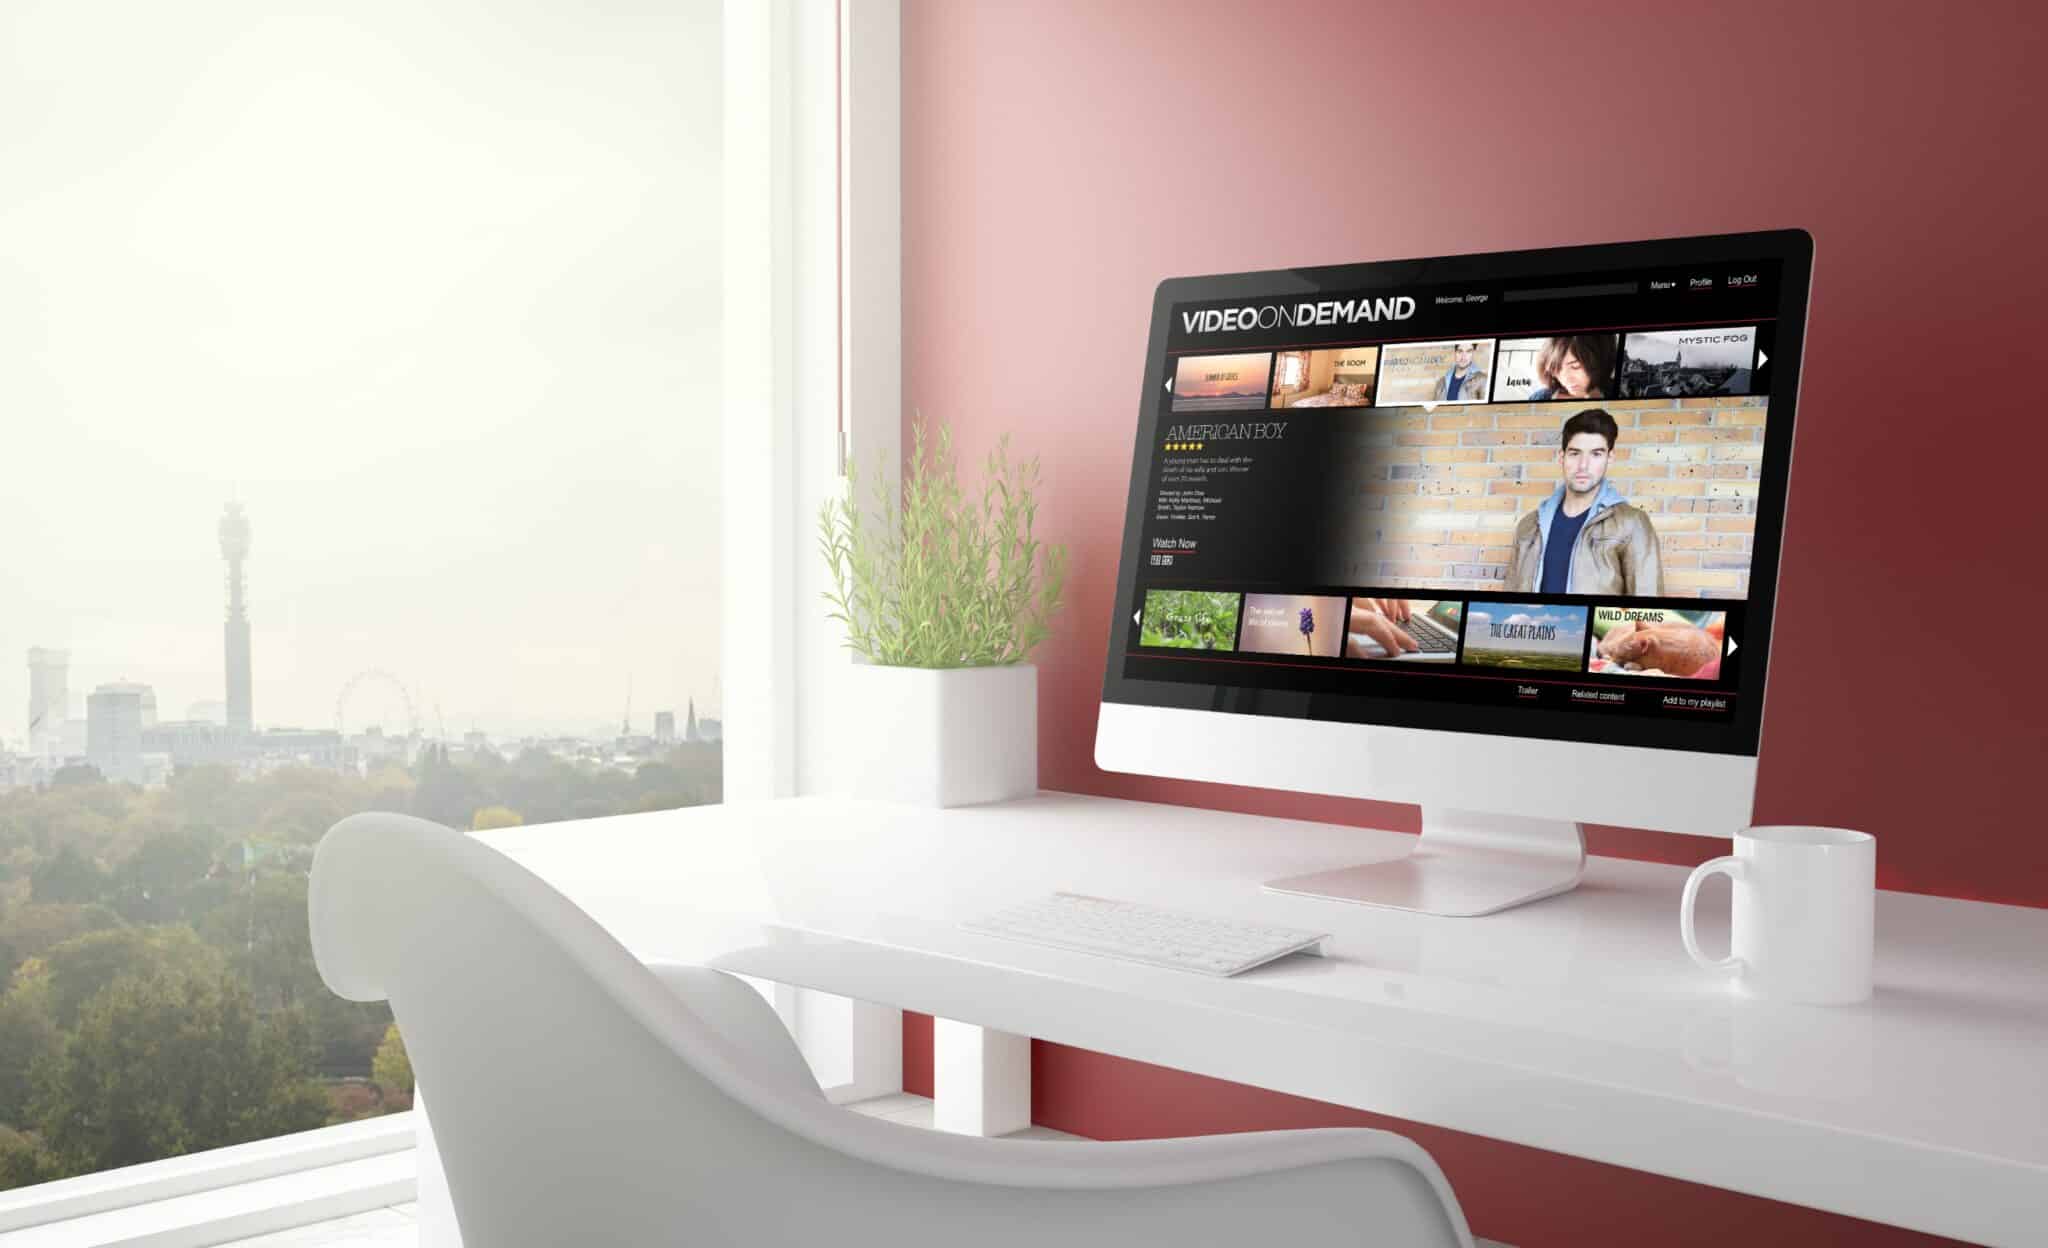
x=576, y=1098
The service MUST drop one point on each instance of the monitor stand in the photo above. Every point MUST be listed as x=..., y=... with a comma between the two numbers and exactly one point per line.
x=1464, y=864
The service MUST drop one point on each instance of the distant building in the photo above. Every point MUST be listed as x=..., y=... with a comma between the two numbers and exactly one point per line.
x=700, y=731
x=190, y=742
x=27, y=771
x=372, y=747
x=147, y=696
x=113, y=731
x=300, y=747
x=49, y=695
x=234, y=547
x=664, y=727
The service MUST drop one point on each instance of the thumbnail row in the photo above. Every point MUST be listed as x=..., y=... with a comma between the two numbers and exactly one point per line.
x=1515, y=636
x=1665, y=364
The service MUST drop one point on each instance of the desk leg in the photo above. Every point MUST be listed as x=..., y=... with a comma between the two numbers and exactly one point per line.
x=436, y=1212
x=855, y=1048
x=981, y=1079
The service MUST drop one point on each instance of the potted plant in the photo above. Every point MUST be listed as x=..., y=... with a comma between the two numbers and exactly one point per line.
x=944, y=594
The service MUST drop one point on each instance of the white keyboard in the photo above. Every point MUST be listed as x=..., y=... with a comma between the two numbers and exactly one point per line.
x=1135, y=933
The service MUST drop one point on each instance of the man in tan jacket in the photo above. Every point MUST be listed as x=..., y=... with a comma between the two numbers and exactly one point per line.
x=1465, y=381
x=1585, y=538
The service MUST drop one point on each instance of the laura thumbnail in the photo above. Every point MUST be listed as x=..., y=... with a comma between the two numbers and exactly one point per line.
x=1687, y=363
x=1525, y=636
x=1303, y=624
x=1435, y=372
x=1189, y=619
x=1413, y=630
x=1658, y=641
x=1342, y=377
x=1221, y=383
x=1542, y=370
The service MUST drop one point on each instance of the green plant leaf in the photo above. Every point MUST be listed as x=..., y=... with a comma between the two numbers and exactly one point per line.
x=933, y=576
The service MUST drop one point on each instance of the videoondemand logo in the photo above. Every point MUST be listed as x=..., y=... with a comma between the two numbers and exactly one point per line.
x=1274, y=315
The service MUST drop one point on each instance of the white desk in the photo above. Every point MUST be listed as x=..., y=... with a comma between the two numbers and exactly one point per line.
x=1574, y=1024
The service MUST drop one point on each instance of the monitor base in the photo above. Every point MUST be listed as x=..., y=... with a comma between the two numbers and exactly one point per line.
x=1465, y=864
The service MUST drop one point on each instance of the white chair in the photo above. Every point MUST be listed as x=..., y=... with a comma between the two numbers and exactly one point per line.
x=580, y=1097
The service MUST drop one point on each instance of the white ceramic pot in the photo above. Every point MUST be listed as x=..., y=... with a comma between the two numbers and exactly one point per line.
x=941, y=737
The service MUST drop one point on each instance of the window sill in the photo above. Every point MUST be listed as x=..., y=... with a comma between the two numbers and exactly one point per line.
x=306, y=1177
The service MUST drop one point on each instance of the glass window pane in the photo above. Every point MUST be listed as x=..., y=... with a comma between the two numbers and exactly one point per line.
x=358, y=369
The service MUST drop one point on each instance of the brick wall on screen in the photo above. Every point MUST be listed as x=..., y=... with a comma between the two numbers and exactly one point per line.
x=1440, y=492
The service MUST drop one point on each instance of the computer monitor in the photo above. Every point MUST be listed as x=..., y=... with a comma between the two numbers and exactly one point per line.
x=1495, y=534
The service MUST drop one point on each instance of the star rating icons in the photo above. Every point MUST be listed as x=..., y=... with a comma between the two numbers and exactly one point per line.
x=1184, y=446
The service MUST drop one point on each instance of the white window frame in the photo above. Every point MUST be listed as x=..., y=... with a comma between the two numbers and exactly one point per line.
x=813, y=288
x=812, y=306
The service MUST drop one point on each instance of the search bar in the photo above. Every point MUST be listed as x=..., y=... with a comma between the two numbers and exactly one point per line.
x=1570, y=292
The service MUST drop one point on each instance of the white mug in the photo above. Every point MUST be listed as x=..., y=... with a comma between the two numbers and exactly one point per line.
x=1803, y=921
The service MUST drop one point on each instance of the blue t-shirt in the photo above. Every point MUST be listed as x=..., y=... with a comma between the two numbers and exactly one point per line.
x=1451, y=390
x=1557, y=552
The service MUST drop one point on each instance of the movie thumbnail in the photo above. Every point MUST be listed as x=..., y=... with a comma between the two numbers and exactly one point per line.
x=1529, y=637
x=1302, y=624
x=1658, y=641
x=1339, y=378
x=1413, y=630
x=1687, y=363
x=1543, y=370
x=1435, y=372
x=1189, y=619
x=1221, y=383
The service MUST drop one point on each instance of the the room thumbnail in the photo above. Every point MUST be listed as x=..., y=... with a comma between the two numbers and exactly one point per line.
x=1221, y=383
x=1411, y=630
x=1189, y=619
x=1539, y=637
x=1300, y=624
x=1658, y=641
x=1543, y=370
x=1436, y=372
x=1687, y=363
x=1342, y=377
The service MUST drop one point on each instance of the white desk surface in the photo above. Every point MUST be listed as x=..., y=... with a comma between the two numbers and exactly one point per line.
x=1574, y=1024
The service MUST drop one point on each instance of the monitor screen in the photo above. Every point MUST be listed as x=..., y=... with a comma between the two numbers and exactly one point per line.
x=1534, y=493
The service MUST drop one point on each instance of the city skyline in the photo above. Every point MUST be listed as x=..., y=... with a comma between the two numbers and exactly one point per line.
x=509, y=724
x=474, y=425
x=50, y=705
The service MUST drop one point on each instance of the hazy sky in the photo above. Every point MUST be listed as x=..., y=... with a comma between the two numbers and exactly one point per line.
x=432, y=288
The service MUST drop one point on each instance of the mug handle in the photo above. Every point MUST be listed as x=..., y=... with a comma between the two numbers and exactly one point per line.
x=1733, y=869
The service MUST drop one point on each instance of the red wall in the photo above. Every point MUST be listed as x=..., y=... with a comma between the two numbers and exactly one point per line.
x=1061, y=158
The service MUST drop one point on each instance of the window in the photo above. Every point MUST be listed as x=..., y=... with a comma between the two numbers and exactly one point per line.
x=361, y=380
x=1293, y=372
